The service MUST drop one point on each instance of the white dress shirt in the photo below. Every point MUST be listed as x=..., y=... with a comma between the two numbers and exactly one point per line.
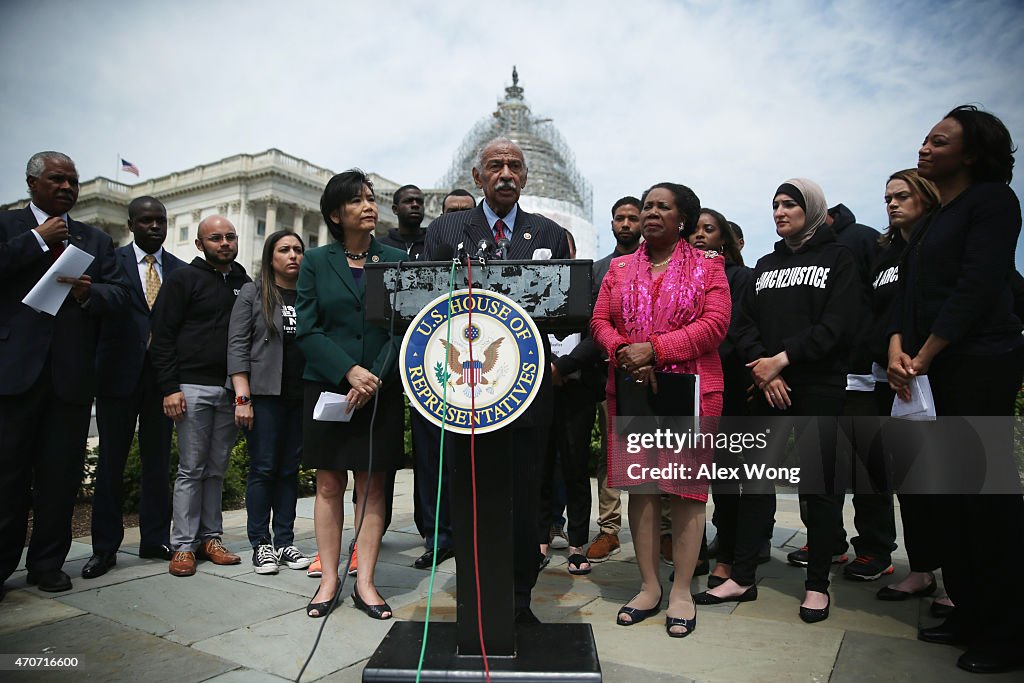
x=42, y=217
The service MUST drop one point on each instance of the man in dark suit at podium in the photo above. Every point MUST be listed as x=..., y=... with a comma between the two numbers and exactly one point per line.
x=47, y=369
x=128, y=392
x=500, y=171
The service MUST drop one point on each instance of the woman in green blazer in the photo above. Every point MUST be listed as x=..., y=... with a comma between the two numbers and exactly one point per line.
x=347, y=356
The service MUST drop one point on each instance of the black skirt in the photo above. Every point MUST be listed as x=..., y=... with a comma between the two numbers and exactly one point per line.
x=346, y=445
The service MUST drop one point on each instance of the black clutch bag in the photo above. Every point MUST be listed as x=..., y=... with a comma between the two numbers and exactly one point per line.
x=638, y=409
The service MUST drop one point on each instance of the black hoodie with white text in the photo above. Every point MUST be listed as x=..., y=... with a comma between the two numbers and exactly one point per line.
x=807, y=303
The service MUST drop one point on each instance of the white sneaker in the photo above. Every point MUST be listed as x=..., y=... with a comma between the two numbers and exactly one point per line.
x=264, y=559
x=294, y=558
x=558, y=539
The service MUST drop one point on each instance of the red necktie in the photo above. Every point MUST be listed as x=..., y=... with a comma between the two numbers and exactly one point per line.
x=56, y=250
x=499, y=230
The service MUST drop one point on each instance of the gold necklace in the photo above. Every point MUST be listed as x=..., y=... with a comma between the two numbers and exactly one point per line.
x=661, y=263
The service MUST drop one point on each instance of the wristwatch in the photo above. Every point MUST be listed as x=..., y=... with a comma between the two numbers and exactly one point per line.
x=242, y=400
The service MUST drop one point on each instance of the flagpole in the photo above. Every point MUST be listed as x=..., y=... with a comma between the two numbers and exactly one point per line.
x=117, y=170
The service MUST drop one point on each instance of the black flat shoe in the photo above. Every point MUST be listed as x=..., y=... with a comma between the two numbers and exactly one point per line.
x=706, y=598
x=813, y=616
x=50, y=582
x=689, y=624
x=372, y=611
x=156, y=552
x=892, y=595
x=943, y=634
x=426, y=560
x=98, y=565
x=637, y=615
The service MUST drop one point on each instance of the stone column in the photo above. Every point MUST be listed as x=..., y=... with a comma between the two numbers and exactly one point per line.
x=271, y=219
x=298, y=221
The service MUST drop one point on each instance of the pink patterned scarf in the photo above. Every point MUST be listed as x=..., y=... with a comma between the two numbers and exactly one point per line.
x=650, y=307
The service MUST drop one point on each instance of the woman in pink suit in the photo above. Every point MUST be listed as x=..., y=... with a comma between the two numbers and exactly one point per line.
x=664, y=308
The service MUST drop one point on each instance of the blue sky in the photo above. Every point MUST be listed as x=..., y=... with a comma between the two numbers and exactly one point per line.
x=730, y=98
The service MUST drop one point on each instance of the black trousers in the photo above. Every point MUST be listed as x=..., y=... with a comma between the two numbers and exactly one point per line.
x=42, y=454
x=922, y=538
x=568, y=444
x=874, y=512
x=116, y=418
x=813, y=417
x=426, y=444
x=983, y=547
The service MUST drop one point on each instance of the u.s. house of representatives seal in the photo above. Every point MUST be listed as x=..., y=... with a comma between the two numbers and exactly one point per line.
x=503, y=376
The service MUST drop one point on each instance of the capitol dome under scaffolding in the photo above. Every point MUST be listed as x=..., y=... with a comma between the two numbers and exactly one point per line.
x=554, y=186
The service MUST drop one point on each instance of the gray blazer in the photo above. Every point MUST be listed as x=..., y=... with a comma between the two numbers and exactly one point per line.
x=251, y=346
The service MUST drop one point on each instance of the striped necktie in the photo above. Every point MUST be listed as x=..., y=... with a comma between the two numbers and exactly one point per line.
x=499, y=230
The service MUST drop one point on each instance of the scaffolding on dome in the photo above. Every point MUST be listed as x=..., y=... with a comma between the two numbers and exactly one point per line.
x=551, y=164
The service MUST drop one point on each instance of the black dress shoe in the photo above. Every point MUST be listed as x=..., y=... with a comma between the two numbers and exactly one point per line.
x=990, y=659
x=426, y=560
x=156, y=552
x=706, y=598
x=811, y=615
x=526, y=616
x=54, y=581
x=892, y=595
x=943, y=634
x=940, y=611
x=98, y=565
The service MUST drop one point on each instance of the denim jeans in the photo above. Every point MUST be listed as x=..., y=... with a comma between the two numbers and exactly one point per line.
x=275, y=448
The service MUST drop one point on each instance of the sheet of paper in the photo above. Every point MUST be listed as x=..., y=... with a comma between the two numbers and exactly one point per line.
x=561, y=347
x=331, y=407
x=921, y=405
x=48, y=294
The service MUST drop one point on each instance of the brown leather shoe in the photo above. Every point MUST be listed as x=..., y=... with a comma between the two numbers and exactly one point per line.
x=214, y=551
x=603, y=547
x=183, y=563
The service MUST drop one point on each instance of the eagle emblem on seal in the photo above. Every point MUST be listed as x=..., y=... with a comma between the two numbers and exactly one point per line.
x=475, y=372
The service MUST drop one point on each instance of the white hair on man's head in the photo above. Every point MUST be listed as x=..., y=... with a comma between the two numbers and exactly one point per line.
x=479, y=165
x=37, y=163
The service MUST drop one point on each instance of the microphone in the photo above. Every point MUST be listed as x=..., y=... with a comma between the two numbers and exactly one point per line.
x=503, y=245
x=482, y=251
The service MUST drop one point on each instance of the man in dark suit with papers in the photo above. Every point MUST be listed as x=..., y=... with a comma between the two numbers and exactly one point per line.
x=128, y=392
x=47, y=369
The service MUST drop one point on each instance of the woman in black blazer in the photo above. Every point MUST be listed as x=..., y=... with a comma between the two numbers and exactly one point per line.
x=346, y=355
x=955, y=323
x=266, y=364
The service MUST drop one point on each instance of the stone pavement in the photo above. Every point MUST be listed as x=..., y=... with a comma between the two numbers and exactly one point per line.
x=227, y=624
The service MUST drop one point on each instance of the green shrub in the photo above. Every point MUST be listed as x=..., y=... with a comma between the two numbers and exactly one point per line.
x=234, y=477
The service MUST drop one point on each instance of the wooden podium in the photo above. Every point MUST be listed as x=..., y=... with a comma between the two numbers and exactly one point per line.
x=557, y=296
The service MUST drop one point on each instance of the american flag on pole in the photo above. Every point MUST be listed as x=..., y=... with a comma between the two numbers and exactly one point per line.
x=472, y=372
x=129, y=167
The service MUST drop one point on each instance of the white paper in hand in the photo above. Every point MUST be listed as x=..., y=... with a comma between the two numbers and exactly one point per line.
x=921, y=405
x=48, y=295
x=331, y=407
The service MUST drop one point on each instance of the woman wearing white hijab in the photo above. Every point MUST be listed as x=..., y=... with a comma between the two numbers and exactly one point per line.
x=794, y=331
